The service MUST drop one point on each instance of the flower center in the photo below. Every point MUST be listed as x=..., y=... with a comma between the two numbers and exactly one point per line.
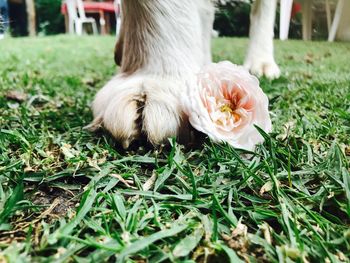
x=227, y=108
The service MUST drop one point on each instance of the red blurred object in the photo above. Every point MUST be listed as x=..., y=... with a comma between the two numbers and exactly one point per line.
x=296, y=8
x=93, y=6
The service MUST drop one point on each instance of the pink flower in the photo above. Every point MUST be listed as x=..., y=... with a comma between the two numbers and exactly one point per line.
x=226, y=104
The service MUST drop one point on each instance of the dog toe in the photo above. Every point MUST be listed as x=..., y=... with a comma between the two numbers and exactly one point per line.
x=141, y=106
x=262, y=68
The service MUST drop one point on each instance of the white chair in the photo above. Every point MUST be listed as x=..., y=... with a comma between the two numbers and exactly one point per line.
x=285, y=12
x=77, y=18
x=340, y=24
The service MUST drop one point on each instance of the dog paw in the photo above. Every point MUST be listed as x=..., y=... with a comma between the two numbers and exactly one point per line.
x=260, y=68
x=129, y=107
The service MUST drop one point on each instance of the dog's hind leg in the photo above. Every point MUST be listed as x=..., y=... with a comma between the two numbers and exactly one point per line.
x=260, y=56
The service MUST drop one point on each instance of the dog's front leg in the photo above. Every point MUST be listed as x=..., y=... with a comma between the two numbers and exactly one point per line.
x=260, y=56
x=162, y=46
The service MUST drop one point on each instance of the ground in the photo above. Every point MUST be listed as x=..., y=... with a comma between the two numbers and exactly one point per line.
x=67, y=195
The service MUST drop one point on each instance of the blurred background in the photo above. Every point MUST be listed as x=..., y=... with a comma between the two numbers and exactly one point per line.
x=49, y=17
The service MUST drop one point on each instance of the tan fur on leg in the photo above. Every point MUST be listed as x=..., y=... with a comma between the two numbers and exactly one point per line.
x=162, y=44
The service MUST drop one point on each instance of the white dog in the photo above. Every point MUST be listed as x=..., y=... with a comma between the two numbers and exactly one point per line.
x=161, y=44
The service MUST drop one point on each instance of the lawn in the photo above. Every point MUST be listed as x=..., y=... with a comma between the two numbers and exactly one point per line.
x=67, y=195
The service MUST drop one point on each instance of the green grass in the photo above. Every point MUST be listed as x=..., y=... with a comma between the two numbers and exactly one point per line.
x=67, y=195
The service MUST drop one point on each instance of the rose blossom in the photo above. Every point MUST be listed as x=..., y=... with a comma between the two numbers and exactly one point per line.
x=226, y=104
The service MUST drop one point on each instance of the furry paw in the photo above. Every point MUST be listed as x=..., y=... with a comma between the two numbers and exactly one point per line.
x=129, y=107
x=260, y=68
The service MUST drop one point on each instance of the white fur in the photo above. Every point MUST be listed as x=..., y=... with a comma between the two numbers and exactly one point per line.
x=165, y=43
x=260, y=59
